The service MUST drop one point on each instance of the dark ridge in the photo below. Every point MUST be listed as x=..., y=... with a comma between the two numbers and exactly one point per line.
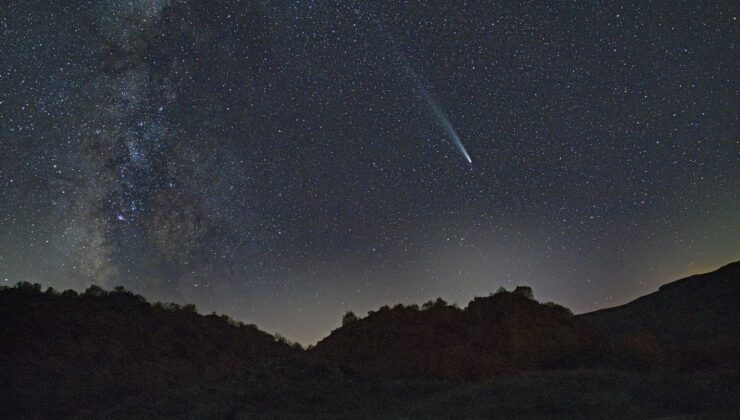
x=501, y=334
x=689, y=324
x=62, y=352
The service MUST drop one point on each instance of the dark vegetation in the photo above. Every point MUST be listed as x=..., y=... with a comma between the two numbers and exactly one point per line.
x=104, y=354
x=61, y=352
x=501, y=334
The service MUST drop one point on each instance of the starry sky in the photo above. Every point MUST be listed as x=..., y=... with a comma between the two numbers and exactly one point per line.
x=284, y=161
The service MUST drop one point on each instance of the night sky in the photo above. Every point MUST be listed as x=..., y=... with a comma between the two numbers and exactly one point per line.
x=284, y=161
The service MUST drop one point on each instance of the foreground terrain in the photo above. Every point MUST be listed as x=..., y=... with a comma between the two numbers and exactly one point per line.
x=113, y=355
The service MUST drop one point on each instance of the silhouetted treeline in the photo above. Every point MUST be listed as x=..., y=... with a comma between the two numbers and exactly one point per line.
x=59, y=352
x=111, y=354
x=504, y=333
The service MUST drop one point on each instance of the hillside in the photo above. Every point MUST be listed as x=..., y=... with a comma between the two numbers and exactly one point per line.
x=689, y=324
x=113, y=355
x=501, y=334
x=62, y=352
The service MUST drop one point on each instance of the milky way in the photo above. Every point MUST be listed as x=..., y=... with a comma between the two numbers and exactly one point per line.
x=274, y=161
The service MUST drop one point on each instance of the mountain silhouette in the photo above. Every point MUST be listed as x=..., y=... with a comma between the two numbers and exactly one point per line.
x=689, y=324
x=62, y=352
x=113, y=355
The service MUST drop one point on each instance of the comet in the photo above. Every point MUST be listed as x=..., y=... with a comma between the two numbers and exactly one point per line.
x=443, y=120
x=428, y=98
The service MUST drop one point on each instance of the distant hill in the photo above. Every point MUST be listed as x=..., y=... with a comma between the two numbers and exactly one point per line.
x=689, y=324
x=62, y=352
x=504, y=333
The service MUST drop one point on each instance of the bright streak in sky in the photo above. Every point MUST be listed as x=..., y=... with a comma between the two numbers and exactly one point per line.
x=444, y=121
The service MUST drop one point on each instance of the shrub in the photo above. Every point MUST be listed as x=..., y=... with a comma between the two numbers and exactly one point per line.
x=95, y=291
x=28, y=287
x=348, y=318
x=559, y=308
x=440, y=303
x=525, y=291
x=231, y=321
x=170, y=306
x=281, y=339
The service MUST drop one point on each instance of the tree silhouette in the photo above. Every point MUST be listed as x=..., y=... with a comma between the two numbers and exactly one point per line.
x=525, y=291
x=95, y=291
x=28, y=287
x=439, y=303
x=348, y=318
x=562, y=309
